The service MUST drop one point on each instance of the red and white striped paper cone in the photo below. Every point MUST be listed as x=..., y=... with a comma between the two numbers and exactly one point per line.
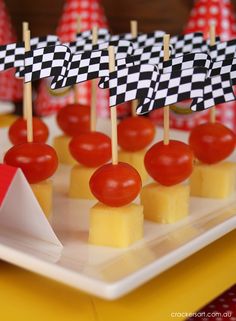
x=203, y=13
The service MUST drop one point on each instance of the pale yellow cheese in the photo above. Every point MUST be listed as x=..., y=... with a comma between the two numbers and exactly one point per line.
x=115, y=226
x=43, y=193
x=79, y=182
x=61, y=145
x=165, y=204
x=213, y=181
x=135, y=159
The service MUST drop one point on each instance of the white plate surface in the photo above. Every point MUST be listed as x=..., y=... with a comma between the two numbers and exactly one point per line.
x=106, y=272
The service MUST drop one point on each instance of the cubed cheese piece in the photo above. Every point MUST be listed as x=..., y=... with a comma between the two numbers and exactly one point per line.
x=165, y=204
x=43, y=193
x=79, y=182
x=115, y=226
x=135, y=159
x=213, y=181
x=61, y=145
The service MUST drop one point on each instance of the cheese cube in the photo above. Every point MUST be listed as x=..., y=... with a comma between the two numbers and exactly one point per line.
x=115, y=226
x=213, y=181
x=79, y=182
x=43, y=193
x=165, y=204
x=61, y=145
x=135, y=159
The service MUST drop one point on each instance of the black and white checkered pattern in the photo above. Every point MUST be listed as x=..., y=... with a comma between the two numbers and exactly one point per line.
x=186, y=61
x=174, y=87
x=46, y=62
x=132, y=83
x=45, y=41
x=12, y=55
x=86, y=36
x=143, y=39
x=217, y=90
x=90, y=65
x=223, y=50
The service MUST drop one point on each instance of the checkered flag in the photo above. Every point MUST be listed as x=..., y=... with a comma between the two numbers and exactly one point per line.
x=189, y=43
x=90, y=65
x=79, y=48
x=86, y=36
x=174, y=87
x=45, y=41
x=132, y=83
x=83, y=41
x=12, y=55
x=223, y=50
x=185, y=61
x=218, y=85
x=143, y=39
x=46, y=62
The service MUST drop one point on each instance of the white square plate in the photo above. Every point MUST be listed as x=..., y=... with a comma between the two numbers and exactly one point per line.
x=106, y=272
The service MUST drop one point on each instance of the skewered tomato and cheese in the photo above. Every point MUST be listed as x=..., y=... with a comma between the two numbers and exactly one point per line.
x=90, y=150
x=38, y=162
x=115, y=220
x=74, y=119
x=166, y=200
x=18, y=131
x=212, y=143
x=134, y=135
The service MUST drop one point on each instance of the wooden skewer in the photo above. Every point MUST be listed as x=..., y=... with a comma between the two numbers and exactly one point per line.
x=114, y=144
x=25, y=27
x=134, y=33
x=75, y=87
x=28, y=96
x=212, y=43
x=166, y=139
x=94, y=87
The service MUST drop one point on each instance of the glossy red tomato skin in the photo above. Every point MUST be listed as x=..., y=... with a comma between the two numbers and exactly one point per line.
x=212, y=142
x=18, y=131
x=115, y=185
x=169, y=164
x=74, y=119
x=92, y=149
x=135, y=133
x=38, y=161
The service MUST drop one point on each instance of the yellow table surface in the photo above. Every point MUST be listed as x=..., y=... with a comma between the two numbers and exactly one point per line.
x=184, y=288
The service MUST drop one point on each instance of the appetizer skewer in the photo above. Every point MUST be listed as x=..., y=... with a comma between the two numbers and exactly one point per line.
x=38, y=161
x=168, y=162
x=90, y=150
x=114, y=220
x=18, y=130
x=135, y=133
x=212, y=143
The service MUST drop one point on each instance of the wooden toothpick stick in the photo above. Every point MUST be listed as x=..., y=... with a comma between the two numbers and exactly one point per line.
x=28, y=96
x=212, y=33
x=134, y=34
x=94, y=87
x=166, y=43
x=114, y=144
x=25, y=27
x=75, y=87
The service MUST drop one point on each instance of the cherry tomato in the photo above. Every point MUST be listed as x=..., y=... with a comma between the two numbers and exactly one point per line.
x=115, y=185
x=92, y=149
x=74, y=119
x=38, y=161
x=135, y=133
x=212, y=142
x=18, y=131
x=169, y=164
